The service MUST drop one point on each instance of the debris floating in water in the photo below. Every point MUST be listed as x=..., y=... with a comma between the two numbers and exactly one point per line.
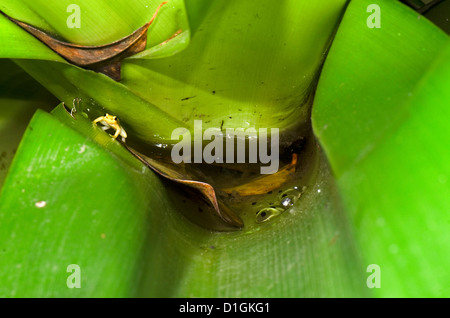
x=286, y=199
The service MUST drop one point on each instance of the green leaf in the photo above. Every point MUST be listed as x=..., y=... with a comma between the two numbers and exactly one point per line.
x=96, y=206
x=68, y=201
x=100, y=94
x=23, y=96
x=380, y=114
x=101, y=22
x=241, y=65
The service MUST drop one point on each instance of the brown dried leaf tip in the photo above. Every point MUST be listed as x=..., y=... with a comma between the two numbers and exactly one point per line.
x=203, y=189
x=104, y=59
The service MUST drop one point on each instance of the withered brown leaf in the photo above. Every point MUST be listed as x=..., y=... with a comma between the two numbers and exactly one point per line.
x=104, y=59
x=266, y=183
x=204, y=189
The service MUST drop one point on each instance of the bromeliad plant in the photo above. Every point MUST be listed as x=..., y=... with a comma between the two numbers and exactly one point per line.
x=367, y=211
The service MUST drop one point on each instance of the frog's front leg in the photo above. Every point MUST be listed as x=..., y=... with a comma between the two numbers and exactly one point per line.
x=98, y=119
x=116, y=134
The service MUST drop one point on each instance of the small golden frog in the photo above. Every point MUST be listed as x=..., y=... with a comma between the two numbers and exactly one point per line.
x=109, y=121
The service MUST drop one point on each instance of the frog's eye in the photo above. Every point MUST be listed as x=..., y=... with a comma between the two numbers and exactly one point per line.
x=114, y=117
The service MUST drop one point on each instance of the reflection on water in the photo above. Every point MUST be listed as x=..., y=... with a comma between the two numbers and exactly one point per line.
x=285, y=201
x=246, y=194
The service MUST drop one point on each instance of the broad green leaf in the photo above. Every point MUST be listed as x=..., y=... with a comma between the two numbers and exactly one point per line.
x=242, y=68
x=380, y=113
x=245, y=59
x=23, y=96
x=381, y=105
x=101, y=22
x=70, y=200
x=107, y=213
x=100, y=94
